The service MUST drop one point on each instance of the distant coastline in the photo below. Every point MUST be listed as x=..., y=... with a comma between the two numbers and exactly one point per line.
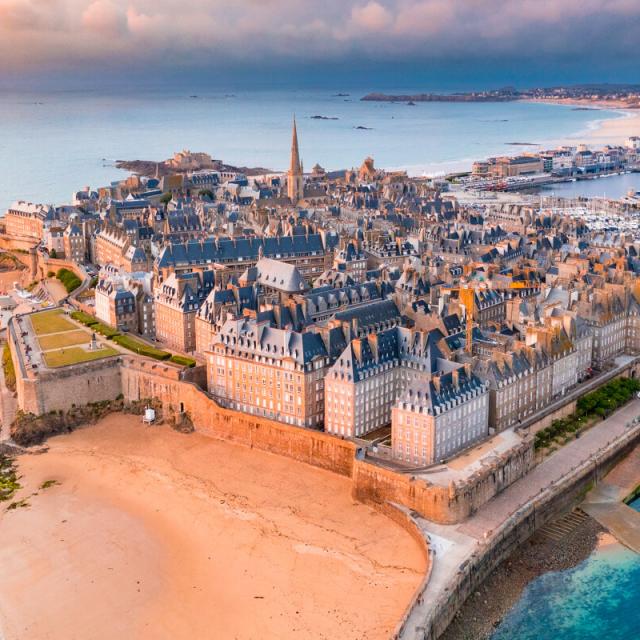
x=612, y=96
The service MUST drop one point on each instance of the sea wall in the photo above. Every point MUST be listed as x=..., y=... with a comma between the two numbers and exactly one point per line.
x=64, y=388
x=179, y=394
x=371, y=483
x=556, y=499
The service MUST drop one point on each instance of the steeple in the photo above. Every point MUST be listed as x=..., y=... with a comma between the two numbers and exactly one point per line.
x=294, y=166
x=295, y=179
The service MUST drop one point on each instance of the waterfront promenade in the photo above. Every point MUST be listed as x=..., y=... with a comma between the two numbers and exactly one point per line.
x=454, y=546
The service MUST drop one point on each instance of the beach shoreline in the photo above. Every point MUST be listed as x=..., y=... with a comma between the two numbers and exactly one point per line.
x=601, y=131
x=483, y=611
x=153, y=534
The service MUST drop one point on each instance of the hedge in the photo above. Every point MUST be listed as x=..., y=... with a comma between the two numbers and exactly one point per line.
x=84, y=318
x=597, y=404
x=104, y=329
x=128, y=342
x=9, y=369
x=183, y=360
x=69, y=279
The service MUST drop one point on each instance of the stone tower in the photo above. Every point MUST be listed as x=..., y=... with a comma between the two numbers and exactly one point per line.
x=295, y=180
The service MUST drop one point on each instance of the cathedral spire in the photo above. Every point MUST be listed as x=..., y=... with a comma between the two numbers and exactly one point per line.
x=295, y=179
x=295, y=166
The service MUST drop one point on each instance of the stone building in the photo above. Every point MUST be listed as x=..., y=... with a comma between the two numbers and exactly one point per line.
x=124, y=301
x=177, y=301
x=435, y=420
x=26, y=220
x=75, y=246
x=268, y=371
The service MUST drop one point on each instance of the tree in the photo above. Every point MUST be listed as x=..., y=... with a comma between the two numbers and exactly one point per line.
x=53, y=254
x=166, y=198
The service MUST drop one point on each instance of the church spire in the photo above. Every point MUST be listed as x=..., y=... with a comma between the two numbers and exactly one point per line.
x=295, y=179
x=295, y=166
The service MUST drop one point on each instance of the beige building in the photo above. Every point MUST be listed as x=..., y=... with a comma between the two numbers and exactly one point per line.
x=177, y=301
x=26, y=220
x=266, y=371
x=433, y=421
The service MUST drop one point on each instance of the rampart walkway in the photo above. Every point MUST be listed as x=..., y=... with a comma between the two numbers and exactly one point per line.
x=453, y=546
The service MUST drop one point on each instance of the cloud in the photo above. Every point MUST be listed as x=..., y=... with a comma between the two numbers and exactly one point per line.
x=104, y=18
x=371, y=17
x=84, y=34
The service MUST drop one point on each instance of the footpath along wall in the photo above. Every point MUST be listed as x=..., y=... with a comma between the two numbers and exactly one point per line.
x=556, y=499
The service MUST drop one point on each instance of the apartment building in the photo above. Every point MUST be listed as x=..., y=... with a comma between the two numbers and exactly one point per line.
x=177, y=301
x=74, y=243
x=369, y=375
x=123, y=300
x=263, y=370
x=433, y=421
x=306, y=251
x=26, y=220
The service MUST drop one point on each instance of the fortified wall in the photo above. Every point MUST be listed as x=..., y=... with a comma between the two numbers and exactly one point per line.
x=145, y=379
x=140, y=379
x=556, y=499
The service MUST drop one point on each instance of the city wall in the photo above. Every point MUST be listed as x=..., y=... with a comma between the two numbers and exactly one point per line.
x=140, y=379
x=64, y=388
x=146, y=379
x=446, y=505
x=373, y=484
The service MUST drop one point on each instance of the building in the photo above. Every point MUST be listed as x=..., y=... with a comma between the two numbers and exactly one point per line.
x=124, y=301
x=306, y=251
x=435, y=420
x=75, y=246
x=177, y=301
x=268, y=371
x=26, y=220
x=366, y=379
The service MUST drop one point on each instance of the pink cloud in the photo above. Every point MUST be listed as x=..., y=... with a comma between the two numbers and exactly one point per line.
x=80, y=32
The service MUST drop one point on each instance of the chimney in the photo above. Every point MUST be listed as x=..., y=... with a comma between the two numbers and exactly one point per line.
x=373, y=344
x=357, y=348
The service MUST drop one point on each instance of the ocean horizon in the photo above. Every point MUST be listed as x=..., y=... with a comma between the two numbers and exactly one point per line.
x=56, y=143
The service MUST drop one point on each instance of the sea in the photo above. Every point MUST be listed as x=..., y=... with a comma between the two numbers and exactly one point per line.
x=54, y=143
x=613, y=186
x=599, y=598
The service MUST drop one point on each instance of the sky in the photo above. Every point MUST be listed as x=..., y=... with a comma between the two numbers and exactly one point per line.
x=402, y=43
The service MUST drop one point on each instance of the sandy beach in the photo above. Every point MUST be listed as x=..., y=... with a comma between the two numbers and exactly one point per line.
x=152, y=534
x=608, y=131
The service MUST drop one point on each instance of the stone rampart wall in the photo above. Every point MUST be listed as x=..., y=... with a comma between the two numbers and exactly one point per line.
x=144, y=379
x=64, y=388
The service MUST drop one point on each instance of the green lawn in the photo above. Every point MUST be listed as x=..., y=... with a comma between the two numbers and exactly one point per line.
x=66, y=339
x=75, y=355
x=50, y=322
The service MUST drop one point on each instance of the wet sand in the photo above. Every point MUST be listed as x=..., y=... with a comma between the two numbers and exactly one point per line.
x=155, y=534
